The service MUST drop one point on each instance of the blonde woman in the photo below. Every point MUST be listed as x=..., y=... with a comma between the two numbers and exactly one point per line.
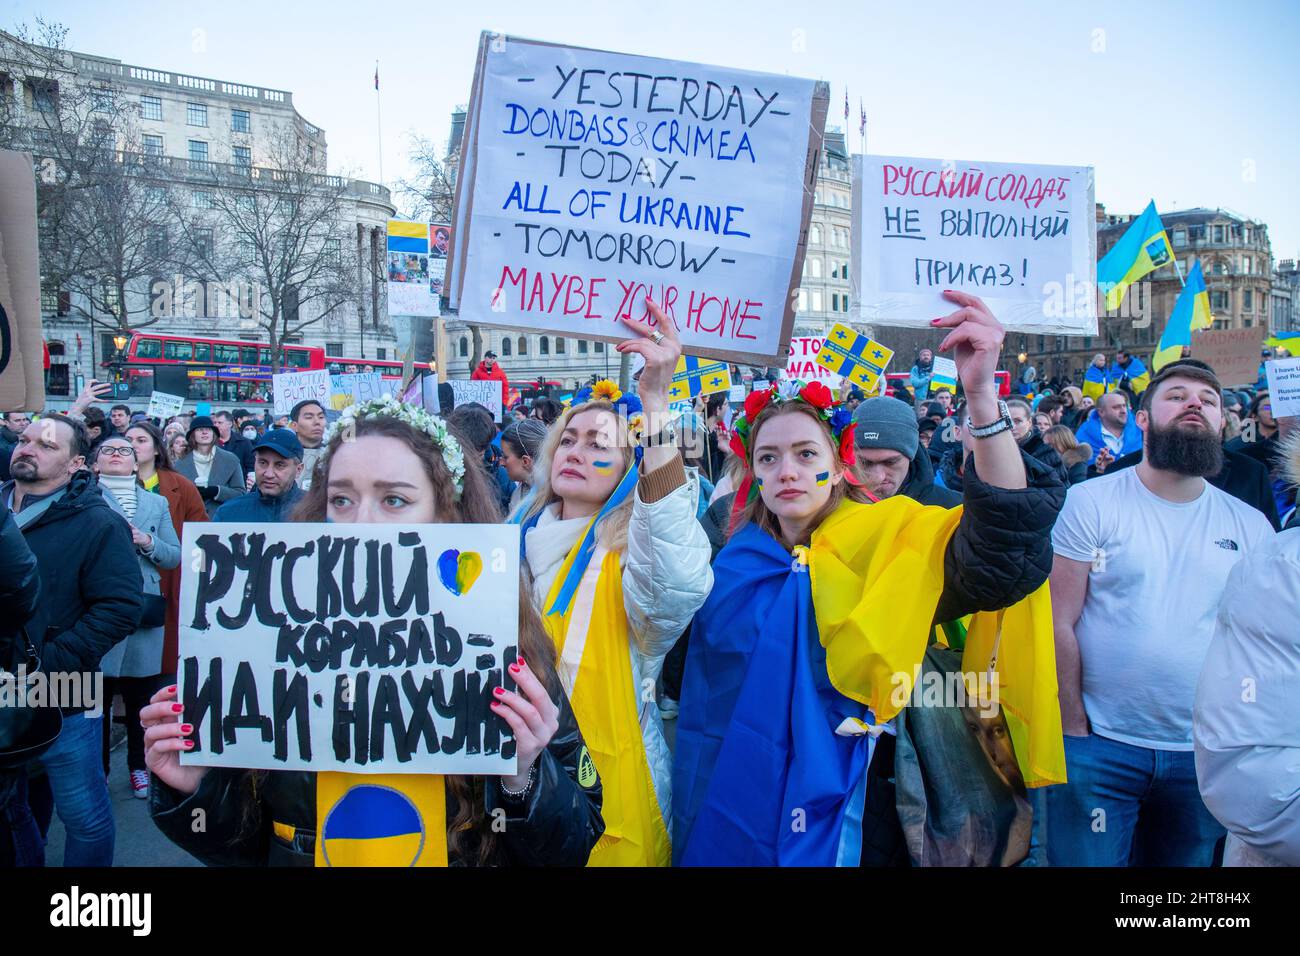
x=619, y=566
x=1074, y=454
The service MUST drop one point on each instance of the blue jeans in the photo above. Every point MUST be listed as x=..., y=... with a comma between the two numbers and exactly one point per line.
x=1128, y=806
x=21, y=843
x=74, y=768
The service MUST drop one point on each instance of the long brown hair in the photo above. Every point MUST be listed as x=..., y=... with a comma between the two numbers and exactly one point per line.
x=757, y=512
x=162, y=459
x=468, y=830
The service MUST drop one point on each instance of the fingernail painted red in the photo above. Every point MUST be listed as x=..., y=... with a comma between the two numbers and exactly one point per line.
x=172, y=689
x=187, y=728
x=498, y=691
x=177, y=708
x=519, y=660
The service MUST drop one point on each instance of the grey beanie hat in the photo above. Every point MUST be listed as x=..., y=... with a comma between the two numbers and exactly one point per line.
x=886, y=423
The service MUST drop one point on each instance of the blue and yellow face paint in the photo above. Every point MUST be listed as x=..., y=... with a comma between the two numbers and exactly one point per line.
x=823, y=478
x=603, y=467
x=758, y=483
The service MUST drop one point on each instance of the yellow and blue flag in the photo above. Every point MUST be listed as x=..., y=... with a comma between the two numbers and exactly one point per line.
x=1191, y=311
x=695, y=376
x=1284, y=340
x=1136, y=373
x=1096, y=383
x=1143, y=248
x=381, y=820
x=856, y=357
x=406, y=236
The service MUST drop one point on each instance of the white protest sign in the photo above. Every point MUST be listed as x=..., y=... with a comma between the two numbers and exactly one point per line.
x=736, y=394
x=355, y=389
x=487, y=392
x=802, y=363
x=428, y=394
x=367, y=648
x=164, y=404
x=943, y=375
x=1021, y=237
x=1284, y=386
x=597, y=179
x=290, y=388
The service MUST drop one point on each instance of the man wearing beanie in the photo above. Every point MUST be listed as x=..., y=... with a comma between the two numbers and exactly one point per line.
x=277, y=463
x=890, y=457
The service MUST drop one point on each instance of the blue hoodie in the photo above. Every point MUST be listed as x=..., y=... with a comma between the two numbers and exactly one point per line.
x=1090, y=433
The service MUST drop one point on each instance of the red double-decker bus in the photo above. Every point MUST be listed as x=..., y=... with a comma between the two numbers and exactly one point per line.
x=390, y=370
x=217, y=370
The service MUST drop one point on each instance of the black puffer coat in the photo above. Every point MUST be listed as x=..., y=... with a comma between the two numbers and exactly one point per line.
x=556, y=824
x=20, y=590
x=919, y=484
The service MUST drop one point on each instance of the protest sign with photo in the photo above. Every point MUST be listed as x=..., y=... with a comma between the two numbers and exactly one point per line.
x=290, y=388
x=1284, y=386
x=416, y=260
x=1232, y=353
x=486, y=392
x=1022, y=237
x=360, y=648
x=591, y=180
x=802, y=363
x=163, y=405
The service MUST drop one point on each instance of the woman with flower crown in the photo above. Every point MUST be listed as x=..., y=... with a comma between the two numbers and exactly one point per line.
x=550, y=810
x=619, y=566
x=823, y=605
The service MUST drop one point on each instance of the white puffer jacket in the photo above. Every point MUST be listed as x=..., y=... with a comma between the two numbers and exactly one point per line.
x=666, y=577
x=1246, y=723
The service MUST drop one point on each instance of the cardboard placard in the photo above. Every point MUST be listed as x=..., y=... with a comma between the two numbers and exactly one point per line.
x=591, y=180
x=1022, y=237
x=366, y=648
x=1232, y=353
x=1284, y=386
x=22, y=352
x=290, y=388
x=164, y=405
x=486, y=392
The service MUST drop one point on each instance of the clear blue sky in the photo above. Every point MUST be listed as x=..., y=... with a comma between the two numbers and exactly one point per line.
x=1190, y=103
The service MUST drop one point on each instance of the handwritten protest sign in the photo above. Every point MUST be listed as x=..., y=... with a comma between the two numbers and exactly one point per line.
x=361, y=648
x=1021, y=237
x=1284, y=386
x=163, y=405
x=1232, y=353
x=591, y=180
x=943, y=375
x=290, y=388
x=354, y=389
x=802, y=363
x=486, y=393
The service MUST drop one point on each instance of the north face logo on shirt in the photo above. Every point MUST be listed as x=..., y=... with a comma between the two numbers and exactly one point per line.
x=1227, y=544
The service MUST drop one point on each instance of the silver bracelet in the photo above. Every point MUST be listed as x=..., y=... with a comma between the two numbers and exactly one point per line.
x=528, y=784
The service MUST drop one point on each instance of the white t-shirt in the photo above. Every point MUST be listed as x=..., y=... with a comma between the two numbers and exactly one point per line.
x=1158, y=572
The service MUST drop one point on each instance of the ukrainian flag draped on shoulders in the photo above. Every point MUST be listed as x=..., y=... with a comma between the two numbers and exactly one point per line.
x=1096, y=382
x=794, y=662
x=1136, y=373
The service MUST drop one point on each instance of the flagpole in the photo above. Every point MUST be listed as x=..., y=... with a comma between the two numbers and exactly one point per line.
x=379, y=125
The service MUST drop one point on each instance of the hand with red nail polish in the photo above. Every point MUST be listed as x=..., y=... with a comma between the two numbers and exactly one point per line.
x=532, y=716
x=165, y=737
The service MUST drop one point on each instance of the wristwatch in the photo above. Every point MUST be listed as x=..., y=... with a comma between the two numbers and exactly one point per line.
x=667, y=434
x=1002, y=424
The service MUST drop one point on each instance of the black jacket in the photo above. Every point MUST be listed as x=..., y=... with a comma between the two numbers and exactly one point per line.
x=241, y=448
x=8, y=442
x=1035, y=446
x=919, y=484
x=20, y=590
x=91, y=588
x=556, y=824
x=952, y=478
x=1242, y=476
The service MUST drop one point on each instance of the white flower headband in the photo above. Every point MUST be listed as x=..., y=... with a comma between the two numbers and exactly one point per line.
x=417, y=418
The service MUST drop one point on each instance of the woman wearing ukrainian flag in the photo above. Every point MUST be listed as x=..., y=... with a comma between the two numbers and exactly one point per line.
x=619, y=567
x=823, y=604
x=549, y=811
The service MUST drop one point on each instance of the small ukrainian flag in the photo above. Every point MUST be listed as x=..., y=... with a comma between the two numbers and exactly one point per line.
x=694, y=376
x=856, y=357
x=1191, y=311
x=1143, y=248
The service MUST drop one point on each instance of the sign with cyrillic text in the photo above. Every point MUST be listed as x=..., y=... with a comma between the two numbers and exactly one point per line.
x=367, y=648
x=1021, y=237
x=596, y=180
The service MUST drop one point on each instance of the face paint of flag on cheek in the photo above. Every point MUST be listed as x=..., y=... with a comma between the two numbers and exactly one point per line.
x=823, y=478
x=603, y=467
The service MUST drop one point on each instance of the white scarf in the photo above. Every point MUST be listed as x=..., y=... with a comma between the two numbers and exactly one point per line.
x=123, y=488
x=203, y=465
x=547, y=544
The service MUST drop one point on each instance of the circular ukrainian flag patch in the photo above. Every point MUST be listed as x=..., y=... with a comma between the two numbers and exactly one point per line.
x=372, y=826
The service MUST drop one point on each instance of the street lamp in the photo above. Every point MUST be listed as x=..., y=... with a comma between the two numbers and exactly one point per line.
x=119, y=341
x=1023, y=358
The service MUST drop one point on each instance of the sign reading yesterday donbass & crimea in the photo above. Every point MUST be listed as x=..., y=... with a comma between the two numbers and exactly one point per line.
x=360, y=648
x=1022, y=237
x=593, y=180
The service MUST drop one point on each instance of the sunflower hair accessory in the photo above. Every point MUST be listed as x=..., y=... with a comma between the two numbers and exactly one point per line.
x=627, y=406
x=389, y=407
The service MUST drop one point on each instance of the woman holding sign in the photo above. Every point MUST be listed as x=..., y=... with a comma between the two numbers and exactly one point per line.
x=818, y=626
x=548, y=814
x=619, y=566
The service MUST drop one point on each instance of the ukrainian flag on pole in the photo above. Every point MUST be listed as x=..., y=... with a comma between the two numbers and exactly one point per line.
x=1143, y=248
x=1191, y=311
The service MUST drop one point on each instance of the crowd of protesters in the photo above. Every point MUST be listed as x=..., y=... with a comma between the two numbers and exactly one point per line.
x=769, y=568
